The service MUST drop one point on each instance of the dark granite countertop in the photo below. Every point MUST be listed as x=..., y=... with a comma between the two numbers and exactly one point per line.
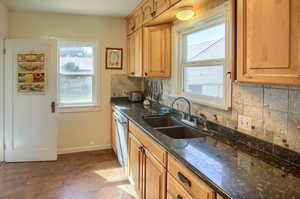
x=232, y=171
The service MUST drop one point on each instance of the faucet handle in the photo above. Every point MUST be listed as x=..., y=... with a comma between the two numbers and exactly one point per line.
x=202, y=116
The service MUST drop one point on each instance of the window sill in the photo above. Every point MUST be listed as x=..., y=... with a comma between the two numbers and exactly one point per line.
x=79, y=108
x=203, y=102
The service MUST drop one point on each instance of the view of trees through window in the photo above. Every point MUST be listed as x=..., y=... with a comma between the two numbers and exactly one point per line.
x=76, y=75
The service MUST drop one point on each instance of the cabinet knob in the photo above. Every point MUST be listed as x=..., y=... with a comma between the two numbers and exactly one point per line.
x=141, y=149
x=146, y=74
x=132, y=73
x=153, y=13
x=179, y=197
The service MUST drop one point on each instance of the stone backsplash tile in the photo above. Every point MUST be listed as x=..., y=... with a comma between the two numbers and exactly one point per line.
x=275, y=111
x=122, y=84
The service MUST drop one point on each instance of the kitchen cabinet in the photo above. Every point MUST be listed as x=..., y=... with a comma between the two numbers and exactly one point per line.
x=175, y=190
x=147, y=11
x=146, y=165
x=192, y=184
x=160, y=6
x=268, y=41
x=154, y=178
x=157, y=51
x=136, y=159
x=172, y=2
x=135, y=54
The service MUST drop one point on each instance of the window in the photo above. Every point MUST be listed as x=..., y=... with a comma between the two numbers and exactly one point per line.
x=77, y=74
x=204, y=52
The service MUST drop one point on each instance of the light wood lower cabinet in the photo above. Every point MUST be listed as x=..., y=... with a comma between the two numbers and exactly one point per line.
x=146, y=171
x=196, y=188
x=176, y=190
x=155, y=178
x=157, y=175
x=136, y=159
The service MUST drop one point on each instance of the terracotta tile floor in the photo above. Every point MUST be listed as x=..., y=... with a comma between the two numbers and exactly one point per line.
x=87, y=175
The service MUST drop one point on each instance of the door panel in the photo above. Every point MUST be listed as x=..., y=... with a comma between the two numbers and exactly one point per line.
x=268, y=42
x=155, y=178
x=136, y=158
x=157, y=51
x=31, y=130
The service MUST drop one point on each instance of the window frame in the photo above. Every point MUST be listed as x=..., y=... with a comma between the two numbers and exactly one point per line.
x=80, y=107
x=210, y=19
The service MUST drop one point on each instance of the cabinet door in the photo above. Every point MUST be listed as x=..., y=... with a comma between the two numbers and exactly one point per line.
x=157, y=51
x=160, y=6
x=135, y=54
x=147, y=11
x=154, y=178
x=136, y=159
x=130, y=55
x=268, y=41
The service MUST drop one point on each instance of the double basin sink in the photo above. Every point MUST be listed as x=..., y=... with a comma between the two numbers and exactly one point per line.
x=173, y=128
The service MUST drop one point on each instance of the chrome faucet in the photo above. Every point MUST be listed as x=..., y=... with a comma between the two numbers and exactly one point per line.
x=188, y=117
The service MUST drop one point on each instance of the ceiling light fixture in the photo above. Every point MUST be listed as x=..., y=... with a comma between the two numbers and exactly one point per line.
x=185, y=13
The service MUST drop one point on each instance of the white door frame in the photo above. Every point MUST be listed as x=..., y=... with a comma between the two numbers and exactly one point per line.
x=2, y=46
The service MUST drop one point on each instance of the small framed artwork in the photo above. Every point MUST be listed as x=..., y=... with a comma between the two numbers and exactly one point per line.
x=114, y=58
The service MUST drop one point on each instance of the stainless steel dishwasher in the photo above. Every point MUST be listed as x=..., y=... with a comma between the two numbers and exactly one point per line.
x=121, y=138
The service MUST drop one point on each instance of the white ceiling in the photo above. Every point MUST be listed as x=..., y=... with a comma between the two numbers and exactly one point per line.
x=118, y=8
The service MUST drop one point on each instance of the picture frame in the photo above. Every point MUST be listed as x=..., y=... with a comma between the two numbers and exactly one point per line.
x=114, y=58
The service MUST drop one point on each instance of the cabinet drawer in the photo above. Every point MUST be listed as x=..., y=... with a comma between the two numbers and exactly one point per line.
x=176, y=190
x=197, y=188
x=155, y=149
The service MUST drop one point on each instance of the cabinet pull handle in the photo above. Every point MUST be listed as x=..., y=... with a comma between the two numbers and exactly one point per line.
x=179, y=197
x=184, y=179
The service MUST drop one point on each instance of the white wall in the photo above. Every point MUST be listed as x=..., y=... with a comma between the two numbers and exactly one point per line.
x=3, y=33
x=85, y=130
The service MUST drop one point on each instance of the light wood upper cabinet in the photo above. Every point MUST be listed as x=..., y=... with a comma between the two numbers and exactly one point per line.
x=155, y=178
x=136, y=159
x=172, y=2
x=157, y=51
x=268, y=41
x=160, y=6
x=135, y=55
x=147, y=10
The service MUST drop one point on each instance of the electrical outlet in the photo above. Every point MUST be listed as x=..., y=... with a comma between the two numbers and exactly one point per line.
x=245, y=122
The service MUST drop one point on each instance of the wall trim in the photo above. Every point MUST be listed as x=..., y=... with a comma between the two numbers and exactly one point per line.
x=2, y=46
x=83, y=148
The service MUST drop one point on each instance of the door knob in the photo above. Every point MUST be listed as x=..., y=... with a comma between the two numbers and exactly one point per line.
x=53, y=107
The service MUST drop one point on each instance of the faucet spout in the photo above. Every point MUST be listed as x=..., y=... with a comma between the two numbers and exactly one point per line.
x=188, y=103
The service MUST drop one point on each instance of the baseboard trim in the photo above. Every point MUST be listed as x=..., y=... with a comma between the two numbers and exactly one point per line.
x=82, y=149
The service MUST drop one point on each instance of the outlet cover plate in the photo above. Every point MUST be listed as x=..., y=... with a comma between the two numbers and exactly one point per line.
x=245, y=122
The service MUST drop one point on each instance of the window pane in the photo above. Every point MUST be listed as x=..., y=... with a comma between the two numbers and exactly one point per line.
x=207, y=80
x=75, y=89
x=76, y=59
x=206, y=44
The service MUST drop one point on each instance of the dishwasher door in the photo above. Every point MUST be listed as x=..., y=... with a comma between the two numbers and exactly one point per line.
x=121, y=139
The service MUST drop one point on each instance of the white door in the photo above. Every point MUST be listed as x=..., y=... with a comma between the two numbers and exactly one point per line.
x=30, y=123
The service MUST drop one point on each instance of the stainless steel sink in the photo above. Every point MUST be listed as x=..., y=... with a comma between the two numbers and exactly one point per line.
x=181, y=132
x=161, y=121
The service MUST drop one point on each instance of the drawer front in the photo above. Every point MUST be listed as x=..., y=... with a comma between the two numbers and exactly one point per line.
x=176, y=190
x=197, y=188
x=155, y=149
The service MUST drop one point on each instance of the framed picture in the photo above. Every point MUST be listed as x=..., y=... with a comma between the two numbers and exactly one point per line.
x=114, y=58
